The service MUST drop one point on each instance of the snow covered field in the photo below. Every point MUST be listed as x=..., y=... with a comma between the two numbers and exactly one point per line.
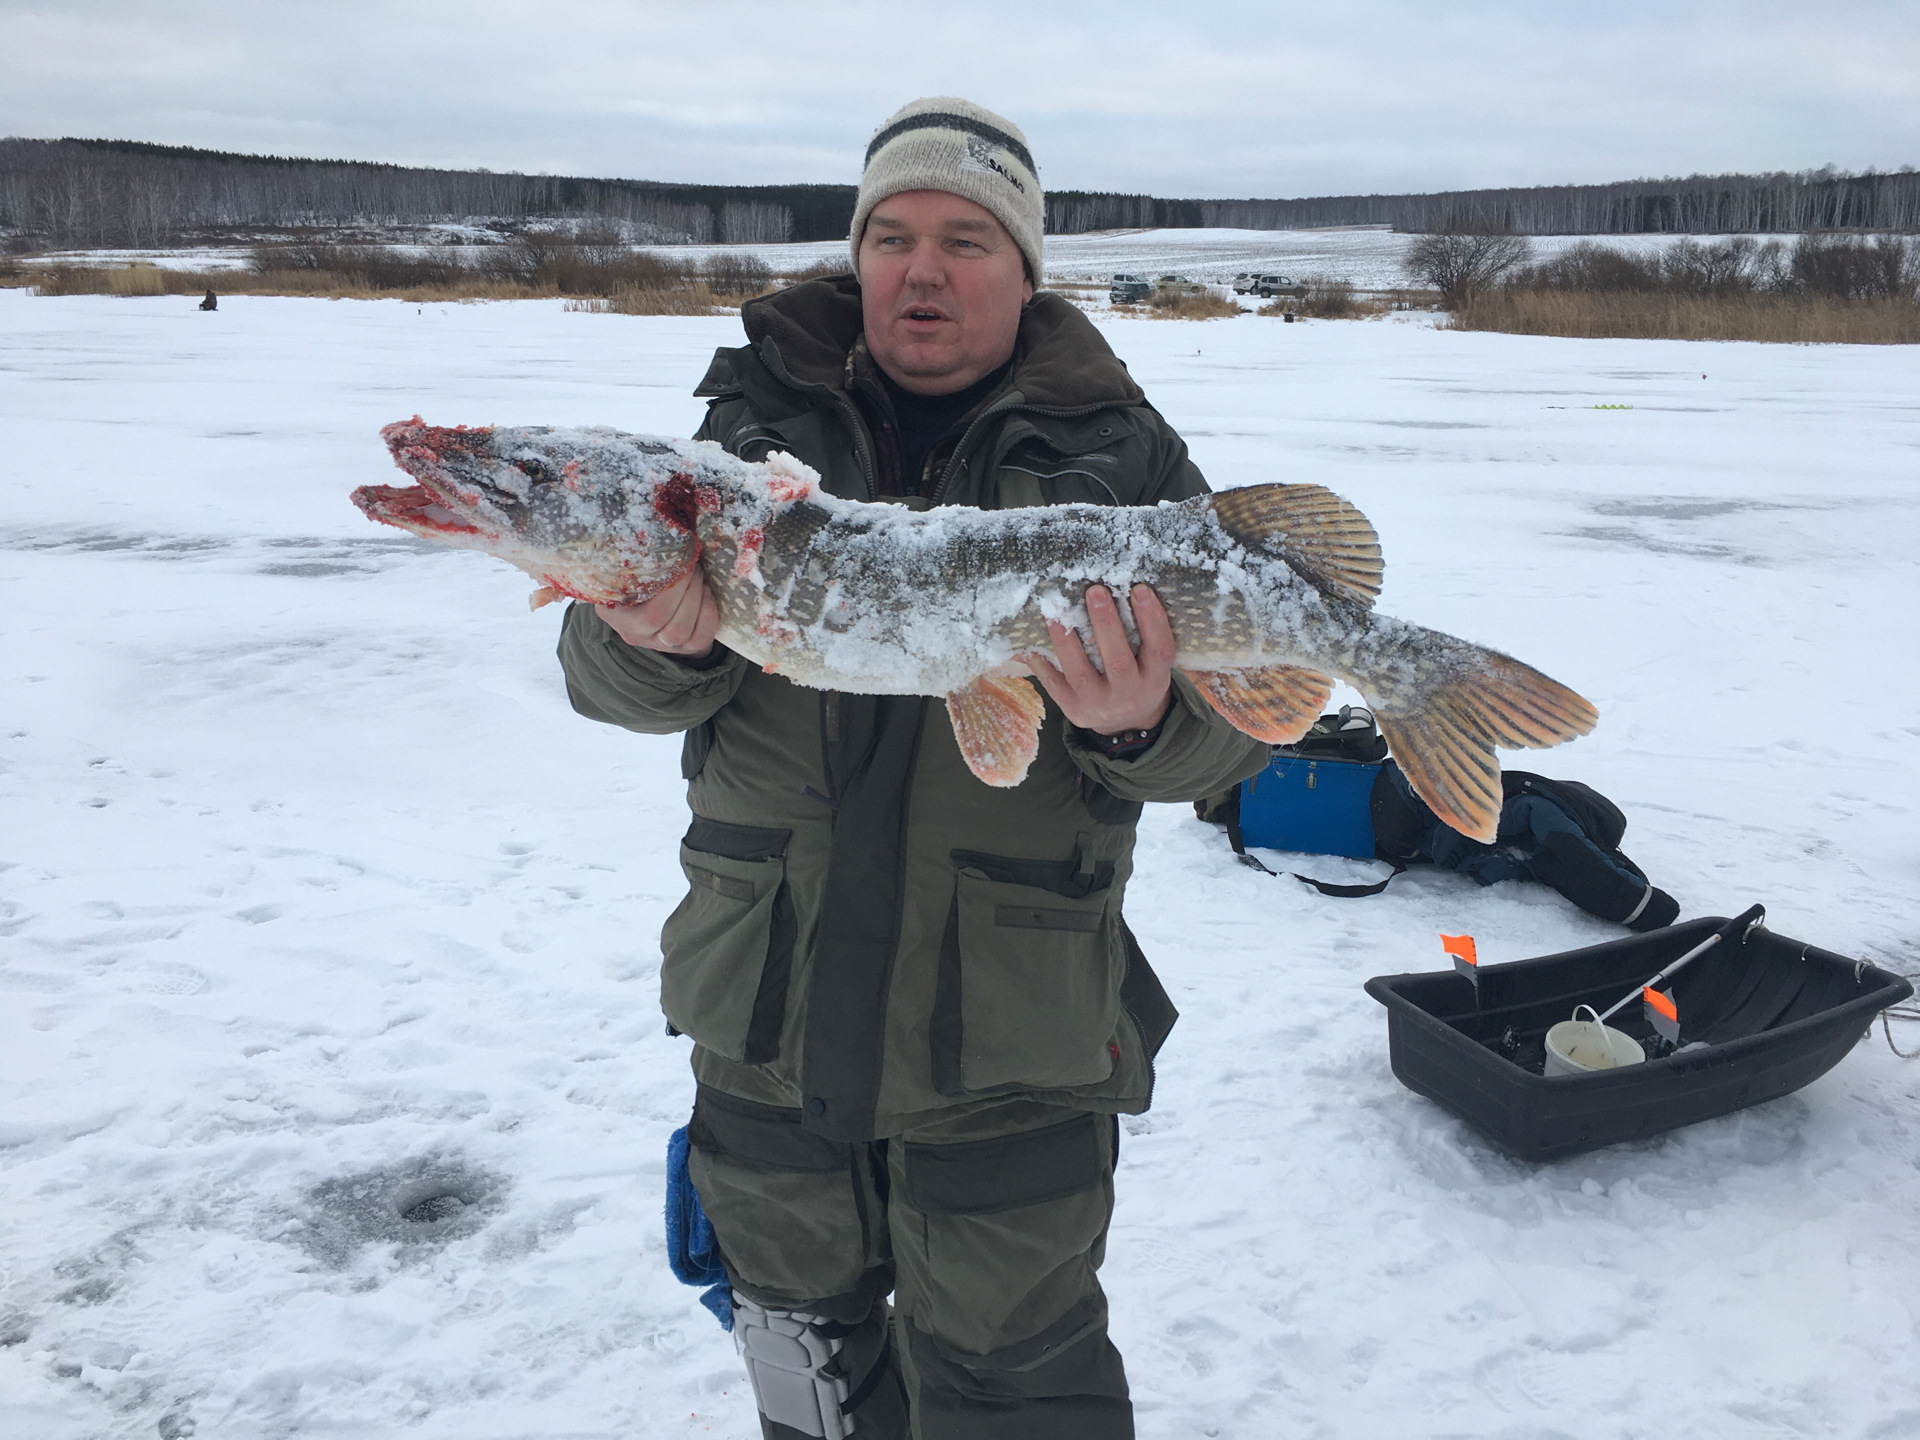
x=318, y=903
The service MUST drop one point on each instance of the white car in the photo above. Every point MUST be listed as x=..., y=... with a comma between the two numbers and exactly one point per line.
x=1265, y=286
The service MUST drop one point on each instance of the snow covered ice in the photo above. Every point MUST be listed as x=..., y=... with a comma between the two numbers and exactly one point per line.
x=334, y=1091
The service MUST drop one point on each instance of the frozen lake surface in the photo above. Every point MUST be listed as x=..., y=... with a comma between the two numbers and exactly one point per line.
x=335, y=1085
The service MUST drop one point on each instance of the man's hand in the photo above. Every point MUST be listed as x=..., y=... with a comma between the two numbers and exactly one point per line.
x=681, y=620
x=1136, y=690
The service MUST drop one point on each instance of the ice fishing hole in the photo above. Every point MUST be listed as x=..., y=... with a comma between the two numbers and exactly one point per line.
x=444, y=1205
x=417, y=1206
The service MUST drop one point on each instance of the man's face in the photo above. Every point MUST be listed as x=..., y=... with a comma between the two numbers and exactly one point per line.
x=941, y=286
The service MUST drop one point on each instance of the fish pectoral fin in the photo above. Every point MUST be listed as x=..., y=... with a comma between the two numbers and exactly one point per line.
x=996, y=721
x=1330, y=543
x=1274, y=703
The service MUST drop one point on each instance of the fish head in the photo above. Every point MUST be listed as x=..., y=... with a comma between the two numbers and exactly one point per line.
x=592, y=514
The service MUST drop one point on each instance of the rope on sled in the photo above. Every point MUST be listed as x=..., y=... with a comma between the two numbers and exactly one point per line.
x=1901, y=1012
x=1907, y=1011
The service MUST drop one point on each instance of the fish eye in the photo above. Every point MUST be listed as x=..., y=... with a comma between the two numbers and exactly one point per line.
x=532, y=469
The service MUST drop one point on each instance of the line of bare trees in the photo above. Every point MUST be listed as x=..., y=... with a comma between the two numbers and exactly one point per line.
x=106, y=193
x=111, y=192
x=1464, y=262
x=1698, y=205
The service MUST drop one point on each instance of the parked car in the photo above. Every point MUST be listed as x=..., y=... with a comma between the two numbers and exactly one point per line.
x=1266, y=286
x=1178, y=285
x=1129, y=290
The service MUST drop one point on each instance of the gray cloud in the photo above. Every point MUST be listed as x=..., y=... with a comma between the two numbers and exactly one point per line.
x=1206, y=100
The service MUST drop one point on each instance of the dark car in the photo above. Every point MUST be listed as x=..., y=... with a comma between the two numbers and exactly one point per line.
x=1129, y=289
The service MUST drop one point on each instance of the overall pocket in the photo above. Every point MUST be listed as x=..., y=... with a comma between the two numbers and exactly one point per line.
x=727, y=949
x=1035, y=956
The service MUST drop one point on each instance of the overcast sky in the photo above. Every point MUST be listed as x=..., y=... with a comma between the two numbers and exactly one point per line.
x=1194, y=99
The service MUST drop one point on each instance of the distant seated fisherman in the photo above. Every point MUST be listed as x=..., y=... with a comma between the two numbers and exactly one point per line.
x=915, y=1006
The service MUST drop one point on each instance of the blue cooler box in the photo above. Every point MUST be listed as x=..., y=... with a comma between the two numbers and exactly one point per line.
x=1321, y=807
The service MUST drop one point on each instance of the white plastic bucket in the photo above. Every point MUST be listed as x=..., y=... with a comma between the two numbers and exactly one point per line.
x=1579, y=1047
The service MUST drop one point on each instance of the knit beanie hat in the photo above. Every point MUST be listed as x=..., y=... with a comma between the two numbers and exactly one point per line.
x=944, y=143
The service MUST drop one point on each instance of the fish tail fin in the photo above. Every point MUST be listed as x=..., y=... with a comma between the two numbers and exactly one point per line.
x=1461, y=701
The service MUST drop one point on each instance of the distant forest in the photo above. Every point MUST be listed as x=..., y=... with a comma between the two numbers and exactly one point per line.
x=1698, y=205
x=125, y=193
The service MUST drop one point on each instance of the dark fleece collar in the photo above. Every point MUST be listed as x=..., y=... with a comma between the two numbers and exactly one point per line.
x=1060, y=362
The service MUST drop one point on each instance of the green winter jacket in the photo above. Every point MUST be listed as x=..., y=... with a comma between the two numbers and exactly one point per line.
x=870, y=933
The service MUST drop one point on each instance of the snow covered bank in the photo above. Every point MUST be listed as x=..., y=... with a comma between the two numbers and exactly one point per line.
x=1368, y=256
x=319, y=910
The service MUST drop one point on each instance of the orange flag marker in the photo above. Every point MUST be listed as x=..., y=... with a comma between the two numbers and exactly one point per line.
x=1465, y=959
x=1661, y=1013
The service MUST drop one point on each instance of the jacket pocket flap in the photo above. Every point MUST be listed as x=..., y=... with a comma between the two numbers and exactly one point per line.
x=736, y=842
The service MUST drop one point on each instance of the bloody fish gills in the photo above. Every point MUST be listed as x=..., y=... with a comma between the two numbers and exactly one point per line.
x=1269, y=590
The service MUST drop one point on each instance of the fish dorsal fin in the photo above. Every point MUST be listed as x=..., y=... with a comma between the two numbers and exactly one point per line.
x=1274, y=703
x=1321, y=536
x=996, y=720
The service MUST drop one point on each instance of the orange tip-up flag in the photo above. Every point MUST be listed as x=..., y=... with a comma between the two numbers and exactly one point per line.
x=1465, y=959
x=1661, y=1013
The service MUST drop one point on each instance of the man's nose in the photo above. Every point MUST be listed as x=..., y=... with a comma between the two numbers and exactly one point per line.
x=927, y=266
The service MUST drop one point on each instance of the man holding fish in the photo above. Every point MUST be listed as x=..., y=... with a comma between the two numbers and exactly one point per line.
x=916, y=1007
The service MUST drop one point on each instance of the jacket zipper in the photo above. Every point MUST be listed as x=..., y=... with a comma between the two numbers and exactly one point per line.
x=1153, y=1075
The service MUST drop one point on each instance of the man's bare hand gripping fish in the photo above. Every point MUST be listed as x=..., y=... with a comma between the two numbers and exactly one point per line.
x=1269, y=591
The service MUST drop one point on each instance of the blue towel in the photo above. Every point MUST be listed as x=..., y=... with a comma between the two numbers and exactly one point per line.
x=692, y=1250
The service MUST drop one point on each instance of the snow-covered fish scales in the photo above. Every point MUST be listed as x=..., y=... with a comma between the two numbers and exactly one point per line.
x=1269, y=590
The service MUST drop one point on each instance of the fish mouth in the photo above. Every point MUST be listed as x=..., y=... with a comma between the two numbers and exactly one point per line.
x=453, y=495
x=412, y=507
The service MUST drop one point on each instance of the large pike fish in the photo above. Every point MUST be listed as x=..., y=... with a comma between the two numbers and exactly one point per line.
x=1269, y=590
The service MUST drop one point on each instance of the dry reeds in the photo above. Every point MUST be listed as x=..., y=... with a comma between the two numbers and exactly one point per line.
x=530, y=266
x=137, y=280
x=691, y=298
x=1333, y=297
x=1638, y=315
x=1170, y=305
x=819, y=270
x=1329, y=297
x=147, y=280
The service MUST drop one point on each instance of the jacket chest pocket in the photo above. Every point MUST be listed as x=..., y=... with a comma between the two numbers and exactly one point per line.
x=1037, y=972
x=727, y=949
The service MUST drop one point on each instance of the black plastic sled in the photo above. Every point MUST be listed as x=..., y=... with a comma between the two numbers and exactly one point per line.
x=1773, y=1014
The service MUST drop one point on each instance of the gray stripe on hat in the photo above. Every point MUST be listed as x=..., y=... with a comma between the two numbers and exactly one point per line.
x=946, y=120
